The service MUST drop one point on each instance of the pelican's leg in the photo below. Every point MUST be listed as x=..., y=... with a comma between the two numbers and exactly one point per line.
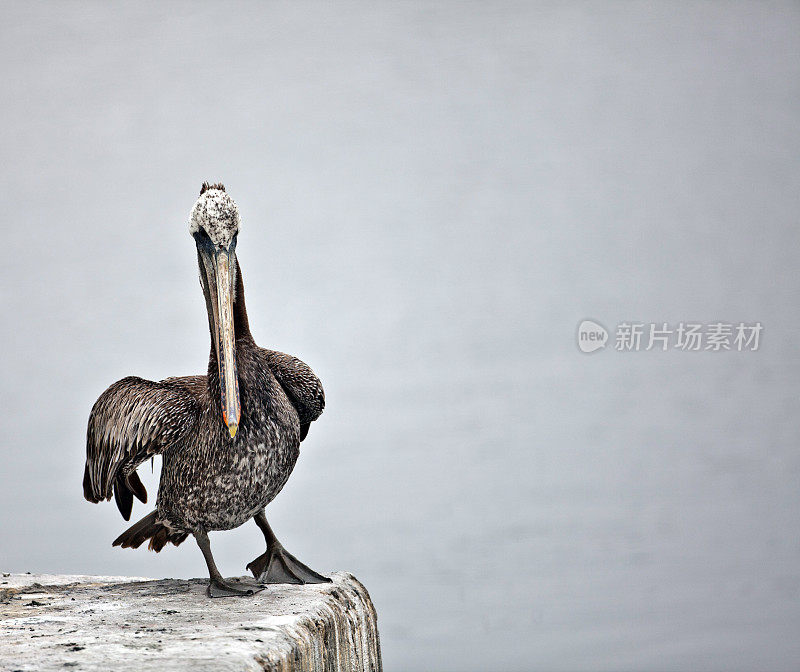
x=277, y=565
x=218, y=587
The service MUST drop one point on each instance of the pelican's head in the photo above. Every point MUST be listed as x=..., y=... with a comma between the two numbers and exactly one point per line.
x=215, y=215
x=214, y=225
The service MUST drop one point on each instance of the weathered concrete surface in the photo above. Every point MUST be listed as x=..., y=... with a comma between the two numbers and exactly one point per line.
x=50, y=622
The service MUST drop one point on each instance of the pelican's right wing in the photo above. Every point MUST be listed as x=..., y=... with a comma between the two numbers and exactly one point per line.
x=132, y=420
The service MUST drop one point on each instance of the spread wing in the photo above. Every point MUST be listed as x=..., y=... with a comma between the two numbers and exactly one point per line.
x=133, y=420
x=301, y=385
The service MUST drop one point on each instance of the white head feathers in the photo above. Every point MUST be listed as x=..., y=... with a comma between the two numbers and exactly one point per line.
x=216, y=213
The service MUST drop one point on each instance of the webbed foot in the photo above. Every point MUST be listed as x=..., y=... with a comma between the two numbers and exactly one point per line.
x=222, y=588
x=277, y=565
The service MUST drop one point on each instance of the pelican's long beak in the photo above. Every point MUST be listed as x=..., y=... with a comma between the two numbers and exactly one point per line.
x=220, y=268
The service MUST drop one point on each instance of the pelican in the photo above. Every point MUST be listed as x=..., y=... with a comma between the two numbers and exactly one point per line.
x=228, y=440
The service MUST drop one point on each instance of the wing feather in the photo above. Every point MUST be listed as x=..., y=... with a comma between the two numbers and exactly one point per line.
x=133, y=420
x=301, y=385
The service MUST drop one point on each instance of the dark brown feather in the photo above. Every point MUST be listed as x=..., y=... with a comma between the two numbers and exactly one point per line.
x=123, y=498
x=206, y=186
x=88, y=491
x=136, y=486
x=149, y=528
x=133, y=420
x=300, y=384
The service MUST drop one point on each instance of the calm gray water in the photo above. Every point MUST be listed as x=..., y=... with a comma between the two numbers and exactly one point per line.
x=433, y=196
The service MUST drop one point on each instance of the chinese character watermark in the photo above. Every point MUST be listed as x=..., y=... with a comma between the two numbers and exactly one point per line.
x=689, y=336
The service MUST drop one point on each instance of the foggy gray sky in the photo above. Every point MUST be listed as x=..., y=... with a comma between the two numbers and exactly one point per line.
x=433, y=196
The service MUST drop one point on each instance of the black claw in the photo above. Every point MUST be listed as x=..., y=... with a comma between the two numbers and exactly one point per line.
x=224, y=589
x=277, y=565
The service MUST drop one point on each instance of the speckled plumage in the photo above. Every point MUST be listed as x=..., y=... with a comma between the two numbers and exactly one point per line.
x=209, y=481
x=216, y=213
x=212, y=482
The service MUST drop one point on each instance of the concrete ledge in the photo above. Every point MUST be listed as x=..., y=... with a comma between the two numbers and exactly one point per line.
x=52, y=622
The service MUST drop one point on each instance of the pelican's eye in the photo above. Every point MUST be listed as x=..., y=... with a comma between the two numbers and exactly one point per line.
x=202, y=237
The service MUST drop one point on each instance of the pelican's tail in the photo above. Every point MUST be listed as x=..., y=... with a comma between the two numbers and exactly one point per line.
x=148, y=527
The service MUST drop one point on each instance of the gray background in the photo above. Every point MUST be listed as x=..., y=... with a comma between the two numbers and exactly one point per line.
x=433, y=196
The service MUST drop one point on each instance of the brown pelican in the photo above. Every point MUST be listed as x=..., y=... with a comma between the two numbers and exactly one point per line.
x=228, y=440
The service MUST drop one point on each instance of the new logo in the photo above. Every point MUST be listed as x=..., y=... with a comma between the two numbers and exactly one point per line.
x=591, y=336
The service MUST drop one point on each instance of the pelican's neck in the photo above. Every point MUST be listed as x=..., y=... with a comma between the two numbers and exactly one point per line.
x=241, y=325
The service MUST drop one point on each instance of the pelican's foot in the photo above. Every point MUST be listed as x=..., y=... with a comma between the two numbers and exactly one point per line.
x=277, y=565
x=233, y=588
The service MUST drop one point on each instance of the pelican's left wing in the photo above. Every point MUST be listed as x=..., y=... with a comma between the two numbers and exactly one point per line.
x=132, y=420
x=301, y=385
